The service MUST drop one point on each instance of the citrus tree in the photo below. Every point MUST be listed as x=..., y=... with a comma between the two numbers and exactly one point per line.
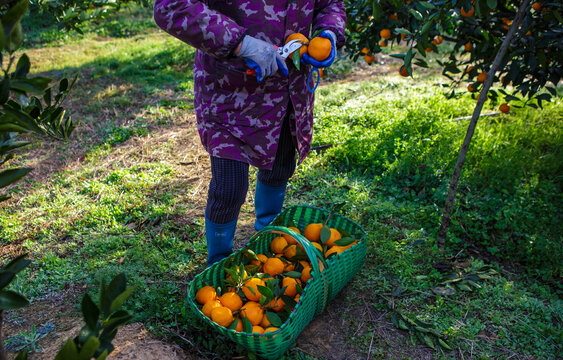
x=505, y=50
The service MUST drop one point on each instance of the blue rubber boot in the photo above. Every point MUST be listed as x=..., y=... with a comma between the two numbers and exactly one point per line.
x=219, y=240
x=268, y=203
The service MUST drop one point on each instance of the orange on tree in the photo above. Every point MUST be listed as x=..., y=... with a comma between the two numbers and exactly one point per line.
x=438, y=40
x=304, y=41
x=313, y=232
x=393, y=16
x=231, y=300
x=205, y=294
x=334, y=236
x=290, y=240
x=290, y=285
x=385, y=33
x=222, y=316
x=403, y=71
x=253, y=312
x=504, y=108
x=250, y=288
x=383, y=43
x=365, y=51
x=209, y=306
x=478, y=96
x=482, y=76
x=470, y=88
x=428, y=49
x=274, y=266
x=257, y=329
x=468, y=46
x=319, y=48
x=468, y=13
x=537, y=6
x=369, y=58
x=278, y=244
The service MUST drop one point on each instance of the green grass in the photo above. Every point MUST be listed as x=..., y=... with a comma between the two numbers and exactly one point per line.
x=394, y=143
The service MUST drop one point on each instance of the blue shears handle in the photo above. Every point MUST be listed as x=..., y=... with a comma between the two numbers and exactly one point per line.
x=313, y=69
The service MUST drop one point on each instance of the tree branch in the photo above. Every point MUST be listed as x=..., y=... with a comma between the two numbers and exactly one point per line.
x=446, y=217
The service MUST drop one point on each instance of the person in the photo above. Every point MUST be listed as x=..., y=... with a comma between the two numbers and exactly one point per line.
x=265, y=121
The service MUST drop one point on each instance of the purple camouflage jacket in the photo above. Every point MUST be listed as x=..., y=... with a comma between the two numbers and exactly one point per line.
x=237, y=117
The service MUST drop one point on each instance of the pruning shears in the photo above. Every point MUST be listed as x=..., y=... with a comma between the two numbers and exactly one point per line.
x=284, y=51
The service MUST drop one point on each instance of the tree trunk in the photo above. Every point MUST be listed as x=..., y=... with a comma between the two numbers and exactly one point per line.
x=446, y=217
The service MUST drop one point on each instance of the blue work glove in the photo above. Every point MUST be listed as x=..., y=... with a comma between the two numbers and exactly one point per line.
x=306, y=59
x=262, y=57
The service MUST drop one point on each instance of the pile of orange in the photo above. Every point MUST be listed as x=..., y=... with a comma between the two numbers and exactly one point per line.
x=259, y=295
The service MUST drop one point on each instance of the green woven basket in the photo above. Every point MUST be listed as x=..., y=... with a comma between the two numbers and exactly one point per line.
x=327, y=278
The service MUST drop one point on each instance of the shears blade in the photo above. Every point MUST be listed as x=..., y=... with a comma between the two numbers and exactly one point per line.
x=289, y=48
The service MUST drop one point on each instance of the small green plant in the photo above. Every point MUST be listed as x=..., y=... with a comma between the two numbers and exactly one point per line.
x=102, y=321
x=10, y=300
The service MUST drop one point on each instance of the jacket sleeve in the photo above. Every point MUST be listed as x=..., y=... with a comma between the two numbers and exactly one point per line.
x=196, y=24
x=331, y=15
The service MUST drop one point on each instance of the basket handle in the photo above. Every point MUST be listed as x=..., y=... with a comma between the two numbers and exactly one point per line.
x=317, y=260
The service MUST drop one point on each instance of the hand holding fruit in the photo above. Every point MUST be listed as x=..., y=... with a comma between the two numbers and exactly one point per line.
x=321, y=53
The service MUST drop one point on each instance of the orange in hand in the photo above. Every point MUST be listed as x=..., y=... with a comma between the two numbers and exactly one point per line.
x=319, y=48
x=304, y=41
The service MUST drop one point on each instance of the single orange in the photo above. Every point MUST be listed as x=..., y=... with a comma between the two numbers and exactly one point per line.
x=265, y=321
x=306, y=274
x=369, y=58
x=231, y=300
x=468, y=46
x=319, y=48
x=257, y=329
x=504, y=108
x=290, y=240
x=304, y=41
x=537, y=6
x=290, y=285
x=468, y=13
x=385, y=33
x=482, y=76
x=274, y=266
x=383, y=43
x=271, y=329
x=290, y=251
x=428, y=49
x=393, y=16
x=222, y=316
x=276, y=304
x=278, y=244
x=252, y=283
x=318, y=246
x=334, y=250
x=209, y=306
x=470, y=88
x=239, y=327
x=261, y=260
x=334, y=236
x=205, y=294
x=403, y=71
x=313, y=232
x=365, y=51
x=253, y=312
